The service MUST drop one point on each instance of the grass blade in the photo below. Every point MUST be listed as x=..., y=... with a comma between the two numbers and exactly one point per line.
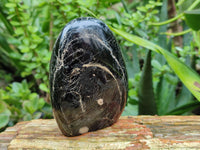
x=188, y=76
x=178, y=33
x=147, y=105
x=165, y=96
x=184, y=108
x=176, y=17
x=6, y=22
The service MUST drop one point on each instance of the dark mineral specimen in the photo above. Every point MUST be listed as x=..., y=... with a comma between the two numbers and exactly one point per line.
x=88, y=79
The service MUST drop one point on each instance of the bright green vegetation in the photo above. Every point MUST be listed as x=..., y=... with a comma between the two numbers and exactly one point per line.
x=161, y=51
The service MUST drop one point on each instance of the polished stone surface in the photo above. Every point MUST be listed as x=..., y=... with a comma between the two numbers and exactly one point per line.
x=88, y=79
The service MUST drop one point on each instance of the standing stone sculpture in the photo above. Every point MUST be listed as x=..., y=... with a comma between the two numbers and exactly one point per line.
x=88, y=79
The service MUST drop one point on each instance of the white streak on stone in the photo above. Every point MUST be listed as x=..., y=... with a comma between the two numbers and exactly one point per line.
x=110, y=50
x=81, y=103
x=75, y=71
x=107, y=70
x=60, y=59
x=80, y=100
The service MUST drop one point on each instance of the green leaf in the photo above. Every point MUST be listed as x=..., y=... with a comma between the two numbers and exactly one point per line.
x=30, y=106
x=184, y=4
x=129, y=65
x=37, y=115
x=43, y=87
x=88, y=11
x=2, y=107
x=24, y=48
x=188, y=76
x=156, y=64
x=32, y=29
x=178, y=33
x=130, y=110
x=135, y=62
x=184, y=97
x=184, y=108
x=34, y=103
x=165, y=101
x=33, y=96
x=167, y=21
x=147, y=105
x=86, y=3
x=16, y=87
x=41, y=103
x=130, y=82
x=6, y=22
x=192, y=19
x=24, y=6
x=132, y=96
x=11, y=5
x=178, y=16
x=19, y=31
x=4, y=117
x=27, y=117
x=15, y=23
x=4, y=44
x=4, y=114
x=36, y=38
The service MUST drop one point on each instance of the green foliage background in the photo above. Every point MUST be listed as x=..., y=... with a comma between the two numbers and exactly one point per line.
x=29, y=28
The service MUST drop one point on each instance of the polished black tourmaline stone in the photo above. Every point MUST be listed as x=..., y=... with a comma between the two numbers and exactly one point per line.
x=88, y=79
